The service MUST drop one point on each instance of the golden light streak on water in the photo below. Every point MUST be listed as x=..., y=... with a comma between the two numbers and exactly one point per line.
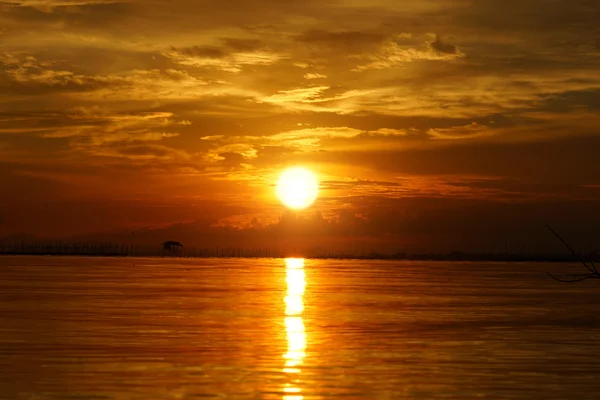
x=294, y=326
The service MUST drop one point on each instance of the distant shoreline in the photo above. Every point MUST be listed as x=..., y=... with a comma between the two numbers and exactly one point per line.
x=409, y=257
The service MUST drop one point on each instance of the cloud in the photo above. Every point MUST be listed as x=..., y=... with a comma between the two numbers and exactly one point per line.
x=98, y=126
x=233, y=57
x=312, y=137
x=350, y=42
x=314, y=76
x=387, y=132
x=380, y=50
x=50, y=5
x=143, y=152
x=243, y=44
x=493, y=188
x=12, y=59
x=394, y=53
x=232, y=145
x=99, y=132
x=439, y=46
x=460, y=132
x=316, y=99
x=261, y=150
x=308, y=94
x=301, y=139
x=232, y=158
x=30, y=75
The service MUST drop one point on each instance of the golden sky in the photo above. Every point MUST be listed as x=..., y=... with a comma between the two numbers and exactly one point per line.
x=431, y=124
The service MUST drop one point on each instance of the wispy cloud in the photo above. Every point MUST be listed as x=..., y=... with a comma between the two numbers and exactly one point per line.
x=460, y=132
x=393, y=53
x=231, y=57
x=314, y=76
x=50, y=5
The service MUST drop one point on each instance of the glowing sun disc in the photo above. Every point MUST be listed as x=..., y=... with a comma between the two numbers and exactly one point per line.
x=297, y=188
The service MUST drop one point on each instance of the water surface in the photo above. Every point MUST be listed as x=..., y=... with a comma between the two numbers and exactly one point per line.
x=131, y=328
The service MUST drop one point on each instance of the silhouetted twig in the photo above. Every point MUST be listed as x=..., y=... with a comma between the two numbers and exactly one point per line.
x=594, y=274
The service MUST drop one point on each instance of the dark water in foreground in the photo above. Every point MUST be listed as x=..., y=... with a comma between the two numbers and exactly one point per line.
x=92, y=328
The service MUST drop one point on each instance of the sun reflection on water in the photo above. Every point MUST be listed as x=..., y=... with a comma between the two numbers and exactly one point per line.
x=294, y=326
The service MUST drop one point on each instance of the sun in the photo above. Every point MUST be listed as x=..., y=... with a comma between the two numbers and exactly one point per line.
x=297, y=188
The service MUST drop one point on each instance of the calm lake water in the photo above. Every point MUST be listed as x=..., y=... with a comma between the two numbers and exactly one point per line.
x=100, y=328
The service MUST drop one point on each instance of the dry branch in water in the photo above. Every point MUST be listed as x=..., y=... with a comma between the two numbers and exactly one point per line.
x=591, y=267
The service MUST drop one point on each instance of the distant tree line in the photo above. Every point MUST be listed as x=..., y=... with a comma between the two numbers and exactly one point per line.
x=109, y=249
x=82, y=249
